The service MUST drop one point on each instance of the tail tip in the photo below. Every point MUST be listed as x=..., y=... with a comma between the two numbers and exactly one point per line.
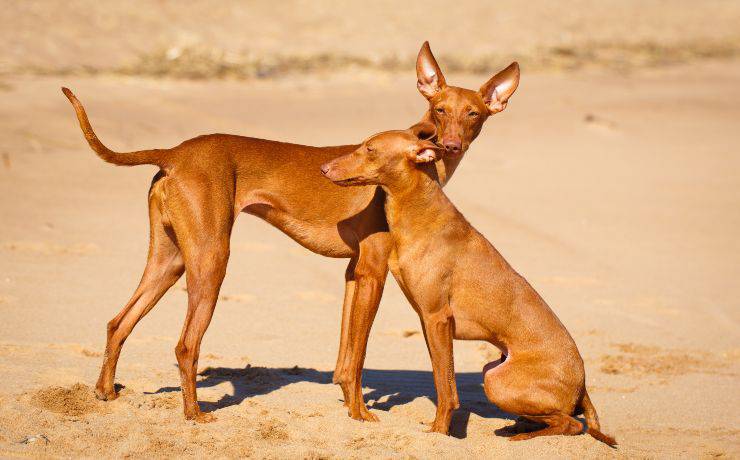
x=67, y=92
x=605, y=438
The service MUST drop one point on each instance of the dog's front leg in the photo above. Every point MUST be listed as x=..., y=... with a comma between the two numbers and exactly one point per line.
x=370, y=274
x=438, y=329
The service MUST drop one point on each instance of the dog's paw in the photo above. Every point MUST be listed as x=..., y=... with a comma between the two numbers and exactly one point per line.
x=105, y=395
x=205, y=418
x=435, y=428
x=521, y=437
x=363, y=415
x=202, y=417
x=367, y=415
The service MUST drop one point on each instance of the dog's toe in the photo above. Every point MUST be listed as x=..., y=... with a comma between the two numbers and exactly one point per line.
x=520, y=437
x=205, y=418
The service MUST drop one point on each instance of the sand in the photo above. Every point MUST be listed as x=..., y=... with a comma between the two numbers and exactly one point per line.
x=616, y=193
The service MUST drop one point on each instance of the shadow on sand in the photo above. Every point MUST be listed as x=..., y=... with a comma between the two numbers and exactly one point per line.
x=388, y=388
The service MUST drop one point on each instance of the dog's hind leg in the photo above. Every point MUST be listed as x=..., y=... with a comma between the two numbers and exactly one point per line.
x=202, y=215
x=163, y=268
x=349, y=296
x=514, y=385
x=557, y=424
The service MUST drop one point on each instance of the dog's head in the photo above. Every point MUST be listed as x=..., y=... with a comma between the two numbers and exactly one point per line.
x=385, y=158
x=459, y=113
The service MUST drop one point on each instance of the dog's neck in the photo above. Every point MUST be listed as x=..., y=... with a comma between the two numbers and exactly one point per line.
x=441, y=171
x=416, y=206
x=446, y=167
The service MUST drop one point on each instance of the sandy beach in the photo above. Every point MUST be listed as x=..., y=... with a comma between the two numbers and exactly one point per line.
x=614, y=188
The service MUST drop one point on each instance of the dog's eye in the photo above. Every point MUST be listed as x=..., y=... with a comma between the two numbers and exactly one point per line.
x=473, y=114
x=440, y=110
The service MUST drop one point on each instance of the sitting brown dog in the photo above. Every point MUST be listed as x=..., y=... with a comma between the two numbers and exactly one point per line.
x=462, y=287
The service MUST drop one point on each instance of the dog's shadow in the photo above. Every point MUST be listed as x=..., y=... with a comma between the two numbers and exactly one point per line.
x=388, y=388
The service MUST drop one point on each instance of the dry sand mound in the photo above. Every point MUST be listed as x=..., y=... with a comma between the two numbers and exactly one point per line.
x=77, y=400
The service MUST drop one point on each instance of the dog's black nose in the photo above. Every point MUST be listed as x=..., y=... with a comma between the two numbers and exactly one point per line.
x=324, y=169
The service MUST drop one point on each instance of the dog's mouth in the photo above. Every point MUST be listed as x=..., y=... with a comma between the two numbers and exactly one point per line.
x=350, y=181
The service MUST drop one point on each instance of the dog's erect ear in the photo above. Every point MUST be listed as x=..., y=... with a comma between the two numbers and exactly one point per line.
x=430, y=78
x=424, y=130
x=425, y=152
x=497, y=91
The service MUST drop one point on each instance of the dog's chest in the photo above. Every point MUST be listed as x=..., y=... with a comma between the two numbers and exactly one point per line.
x=423, y=266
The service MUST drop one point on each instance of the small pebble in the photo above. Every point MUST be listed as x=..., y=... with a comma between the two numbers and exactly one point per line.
x=34, y=438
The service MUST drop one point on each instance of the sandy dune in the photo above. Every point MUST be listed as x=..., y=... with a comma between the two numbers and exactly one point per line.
x=615, y=194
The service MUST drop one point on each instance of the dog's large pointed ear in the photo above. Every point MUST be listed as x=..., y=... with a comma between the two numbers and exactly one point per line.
x=424, y=130
x=497, y=91
x=424, y=152
x=429, y=76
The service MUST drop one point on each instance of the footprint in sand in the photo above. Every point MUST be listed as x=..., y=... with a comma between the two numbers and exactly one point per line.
x=168, y=401
x=273, y=430
x=76, y=348
x=600, y=123
x=241, y=298
x=610, y=389
x=644, y=360
x=90, y=353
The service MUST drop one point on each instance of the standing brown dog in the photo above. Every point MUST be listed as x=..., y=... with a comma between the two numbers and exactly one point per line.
x=206, y=182
x=462, y=288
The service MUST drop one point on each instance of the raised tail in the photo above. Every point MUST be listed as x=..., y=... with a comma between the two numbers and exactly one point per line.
x=592, y=419
x=152, y=157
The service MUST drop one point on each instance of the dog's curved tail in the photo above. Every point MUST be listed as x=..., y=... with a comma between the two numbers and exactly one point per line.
x=592, y=419
x=156, y=157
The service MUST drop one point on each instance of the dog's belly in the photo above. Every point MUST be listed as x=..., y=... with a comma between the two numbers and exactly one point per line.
x=327, y=224
x=318, y=237
x=467, y=329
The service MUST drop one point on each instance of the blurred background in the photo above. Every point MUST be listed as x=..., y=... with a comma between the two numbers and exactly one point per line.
x=202, y=39
x=611, y=182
